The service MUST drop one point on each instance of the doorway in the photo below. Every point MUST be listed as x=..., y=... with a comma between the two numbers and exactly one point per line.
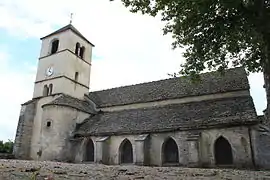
x=170, y=152
x=126, y=152
x=90, y=151
x=223, y=152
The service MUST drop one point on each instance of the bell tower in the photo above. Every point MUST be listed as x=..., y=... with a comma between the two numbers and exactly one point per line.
x=63, y=68
x=64, y=64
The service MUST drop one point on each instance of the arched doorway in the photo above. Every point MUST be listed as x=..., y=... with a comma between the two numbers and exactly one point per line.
x=223, y=152
x=126, y=152
x=90, y=151
x=170, y=152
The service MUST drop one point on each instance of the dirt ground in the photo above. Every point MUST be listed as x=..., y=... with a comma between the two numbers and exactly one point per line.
x=33, y=170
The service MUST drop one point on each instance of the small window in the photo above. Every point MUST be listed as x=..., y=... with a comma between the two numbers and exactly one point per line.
x=82, y=52
x=45, y=90
x=55, y=45
x=50, y=89
x=77, y=48
x=76, y=76
x=49, y=123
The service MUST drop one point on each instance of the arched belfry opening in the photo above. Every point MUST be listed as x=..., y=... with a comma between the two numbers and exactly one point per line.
x=90, y=151
x=223, y=152
x=170, y=152
x=77, y=48
x=82, y=49
x=54, y=46
x=126, y=152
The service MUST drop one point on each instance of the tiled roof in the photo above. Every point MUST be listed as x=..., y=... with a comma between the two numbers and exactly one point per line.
x=66, y=100
x=212, y=82
x=67, y=27
x=196, y=115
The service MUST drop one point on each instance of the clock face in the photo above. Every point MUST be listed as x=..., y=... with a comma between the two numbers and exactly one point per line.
x=49, y=71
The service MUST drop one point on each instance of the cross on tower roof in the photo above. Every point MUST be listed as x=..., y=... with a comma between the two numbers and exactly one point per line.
x=71, y=14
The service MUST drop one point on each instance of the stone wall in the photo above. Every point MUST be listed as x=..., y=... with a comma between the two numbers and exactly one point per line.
x=261, y=137
x=23, y=137
x=239, y=139
x=55, y=136
x=195, y=148
x=6, y=156
x=35, y=141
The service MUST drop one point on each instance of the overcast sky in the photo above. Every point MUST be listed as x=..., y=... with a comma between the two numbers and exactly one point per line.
x=129, y=49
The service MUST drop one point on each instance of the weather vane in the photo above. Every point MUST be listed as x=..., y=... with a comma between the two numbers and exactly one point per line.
x=71, y=14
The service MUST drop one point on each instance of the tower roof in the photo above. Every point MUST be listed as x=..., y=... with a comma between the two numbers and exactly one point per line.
x=68, y=27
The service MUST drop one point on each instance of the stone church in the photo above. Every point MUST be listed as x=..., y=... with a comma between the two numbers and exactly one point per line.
x=171, y=122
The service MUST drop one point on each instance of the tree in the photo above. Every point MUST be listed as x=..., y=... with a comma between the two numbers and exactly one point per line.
x=6, y=147
x=217, y=34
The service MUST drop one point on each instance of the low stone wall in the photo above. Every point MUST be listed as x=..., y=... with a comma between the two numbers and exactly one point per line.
x=6, y=156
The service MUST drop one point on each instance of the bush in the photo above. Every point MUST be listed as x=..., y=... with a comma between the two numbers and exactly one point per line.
x=6, y=147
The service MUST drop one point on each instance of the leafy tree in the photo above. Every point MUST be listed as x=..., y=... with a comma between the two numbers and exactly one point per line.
x=217, y=34
x=6, y=147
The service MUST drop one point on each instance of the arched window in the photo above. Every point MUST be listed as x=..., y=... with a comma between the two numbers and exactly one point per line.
x=77, y=48
x=223, y=152
x=126, y=152
x=54, y=46
x=50, y=89
x=82, y=49
x=45, y=90
x=76, y=76
x=170, y=152
x=90, y=153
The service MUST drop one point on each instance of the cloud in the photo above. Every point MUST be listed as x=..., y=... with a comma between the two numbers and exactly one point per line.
x=16, y=87
x=130, y=45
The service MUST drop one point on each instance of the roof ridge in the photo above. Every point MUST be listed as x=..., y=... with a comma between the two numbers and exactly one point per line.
x=166, y=79
x=212, y=82
x=131, y=85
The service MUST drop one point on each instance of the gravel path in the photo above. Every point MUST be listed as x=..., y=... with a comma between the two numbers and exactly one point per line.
x=34, y=170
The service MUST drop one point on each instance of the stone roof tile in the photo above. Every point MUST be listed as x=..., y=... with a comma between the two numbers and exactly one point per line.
x=195, y=115
x=212, y=82
x=66, y=100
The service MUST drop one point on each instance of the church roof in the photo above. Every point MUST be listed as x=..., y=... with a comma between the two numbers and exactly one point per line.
x=212, y=82
x=195, y=115
x=69, y=101
x=69, y=27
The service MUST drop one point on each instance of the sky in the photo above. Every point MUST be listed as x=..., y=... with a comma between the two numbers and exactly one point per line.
x=129, y=49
